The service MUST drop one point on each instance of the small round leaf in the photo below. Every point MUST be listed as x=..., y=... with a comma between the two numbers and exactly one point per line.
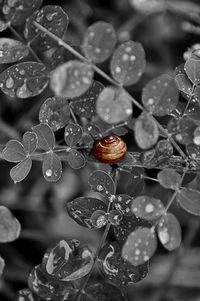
x=169, y=179
x=12, y=51
x=73, y=134
x=10, y=227
x=100, y=181
x=75, y=159
x=30, y=142
x=192, y=69
x=45, y=135
x=14, y=151
x=188, y=199
x=20, y=171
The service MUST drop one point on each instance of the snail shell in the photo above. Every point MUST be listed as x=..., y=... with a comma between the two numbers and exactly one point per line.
x=110, y=149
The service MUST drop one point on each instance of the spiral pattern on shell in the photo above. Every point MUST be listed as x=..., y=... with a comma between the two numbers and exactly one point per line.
x=110, y=149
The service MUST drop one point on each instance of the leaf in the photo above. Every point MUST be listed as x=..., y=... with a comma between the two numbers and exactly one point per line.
x=20, y=171
x=183, y=83
x=140, y=246
x=85, y=105
x=75, y=159
x=10, y=227
x=122, y=203
x=128, y=63
x=192, y=67
x=73, y=134
x=148, y=6
x=68, y=261
x=82, y=208
x=54, y=19
x=3, y=25
x=114, y=105
x=99, y=41
x=45, y=135
x=169, y=232
x=56, y=112
x=100, y=181
x=116, y=269
x=160, y=95
x=146, y=131
x=30, y=142
x=169, y=179
x=147, y=208
x=193, y=109
x=93, y=130
x=17, y=12
x=2, y=265
x=14, y=151
x=127, y=225
x=193, y=151
x=182, y=129
x=188, y=199
x=71, y=79
x=44, y=286
x=51, y=167
x=12, y=51
x=24, y=80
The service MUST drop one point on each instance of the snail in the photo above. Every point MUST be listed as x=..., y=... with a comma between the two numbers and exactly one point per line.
x=110, y=149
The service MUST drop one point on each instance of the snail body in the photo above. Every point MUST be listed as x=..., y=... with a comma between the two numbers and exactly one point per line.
x=110, y=149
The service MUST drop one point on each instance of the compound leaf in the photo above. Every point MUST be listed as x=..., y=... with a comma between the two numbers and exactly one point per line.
x=24, y=80
x=169, y=232
x=140, y=246
x=54, y=19
x=12, y=51
x=10, y=227
x=128, y=63
x=99, y=42
x=56, y=112
x=160, y=95
x=114, y=105
x=71, y=79
x=82, y=208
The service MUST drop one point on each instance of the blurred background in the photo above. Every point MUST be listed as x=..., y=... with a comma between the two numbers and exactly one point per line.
x=166, y=37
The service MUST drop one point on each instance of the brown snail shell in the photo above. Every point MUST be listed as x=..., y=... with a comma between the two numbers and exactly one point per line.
x=110, y=149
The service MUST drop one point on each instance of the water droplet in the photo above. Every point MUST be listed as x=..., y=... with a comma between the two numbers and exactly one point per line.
x=101, y=221
x=9, y=82
x=23, y=92
x=125, y=57
x=97, y=50
x=85, y=80
x=196, y=140
x=117, y=69
x=99, y=187
x=149, y=208
x=48, y=172
x=164, y=236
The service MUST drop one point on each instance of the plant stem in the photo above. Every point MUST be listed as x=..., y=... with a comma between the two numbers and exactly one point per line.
x=107, y=77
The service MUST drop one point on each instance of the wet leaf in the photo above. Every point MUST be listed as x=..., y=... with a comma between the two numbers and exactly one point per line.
x=183, y=83
x=2, y=265
x=160, y=95
x=169, y=179
x=140, y=246
x=192, y=69
x=44, y=286
x=169, y=232
x=131, y=183
x=122, y=203
x=99, y=219
x=14, y=151
x=82, y=208
x=71, y=79
x=193, y=109
x=54, y=19
x=51, y=167
x=100, y=181
x=30, y=142
x=127, y=225
x=146, y=131
x=10, y=227
x=147, y=207
x=73, y=134
x=116, y=269
x=56, y=112
x=75, y=159
x=17, y=12
x=12, y=51
x=128, y=63
x=45, y=135
x=26, y=295
x=193, y=150
x=85, y=105
x=182, y=129
x=93, y=130
x=99, y=41
x=188, y=199
x=24, y=80
x=68, y=261
x=114, y=105
x=20, y=171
